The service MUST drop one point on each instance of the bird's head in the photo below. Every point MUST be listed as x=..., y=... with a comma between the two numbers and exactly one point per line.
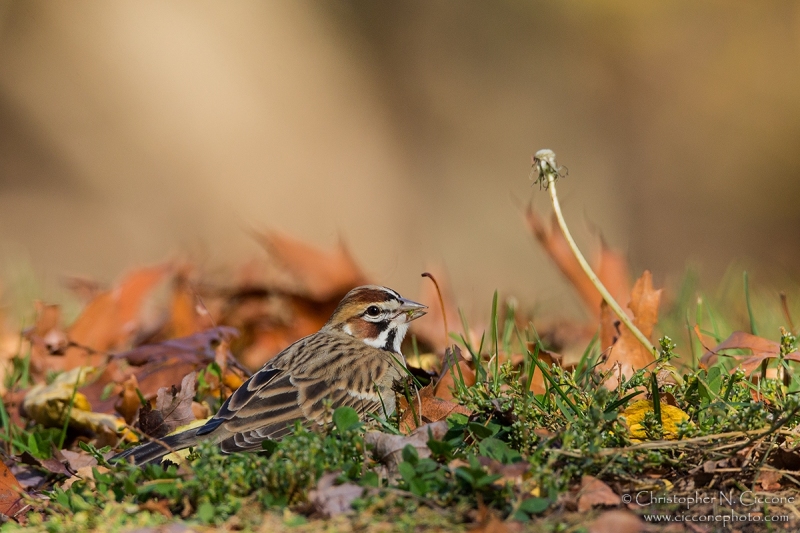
x=376, y=315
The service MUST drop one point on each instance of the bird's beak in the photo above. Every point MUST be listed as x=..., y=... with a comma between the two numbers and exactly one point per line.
x=413, y=310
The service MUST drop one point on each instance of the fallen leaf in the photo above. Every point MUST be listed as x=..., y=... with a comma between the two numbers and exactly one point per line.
x=611, y=267
x=512, y=474
x=491, y=525
x=110, y=319
x=48, y=339
x=768, y=479
x=129, y=403
x=625, y=353
x=330, y=499
x=158, y=365
x=595, y=493
x=552, y=240
x=387, y=448
x=670, y=418
x=426, y=408
x=10, y=492
x=617, y=521
x=78, y=460
x=309, y=271
x=173, y=409
x=52, y=465
x=157, y=506
x=184, y=320
x=49, y=405
x=761, y=350
x=612, y=270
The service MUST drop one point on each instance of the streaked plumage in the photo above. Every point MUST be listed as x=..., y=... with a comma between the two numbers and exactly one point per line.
x=353, y=360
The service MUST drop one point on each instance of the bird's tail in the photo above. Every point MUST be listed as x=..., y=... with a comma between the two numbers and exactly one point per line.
x=155, y=450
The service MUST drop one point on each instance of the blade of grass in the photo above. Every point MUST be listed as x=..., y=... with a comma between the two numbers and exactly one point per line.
x=656, y=398
x=753, y=328
x=495, y=343
x=554, y=386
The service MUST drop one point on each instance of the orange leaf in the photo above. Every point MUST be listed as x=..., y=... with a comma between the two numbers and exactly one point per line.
x=556, y=246
x=427, y=408
x=626, y=351
x=10, y=492
x=111, y=318
x=595, y=493
x=611, y=266
x=318, y=274
x=761, y=348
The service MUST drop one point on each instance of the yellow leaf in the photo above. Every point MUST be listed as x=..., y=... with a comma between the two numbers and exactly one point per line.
x=671, y=416
x=49, y=405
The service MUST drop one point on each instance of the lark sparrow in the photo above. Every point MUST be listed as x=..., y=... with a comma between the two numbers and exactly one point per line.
x=353, y=360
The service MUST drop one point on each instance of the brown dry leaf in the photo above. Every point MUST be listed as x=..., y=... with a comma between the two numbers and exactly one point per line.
x=157, y=506
x=595, y=493
x=129, y=403
x=109, y=320
x=52, y=465
x=491, y=525
x=627, y=354
x=10, y=492
x=47, y=405
x=611, y=267
x=330, y=499
x=554, y=243
x=48, y=340
x=387, y=448
x=617, y=521
x=158, y=365
x=762, y=350
x=612, y=270
x=512, y=474
x=78, y=460
x=769, y=479
x=444, y=387
x=450, y=373
x=318, y=274
x=427, y=408
x=184, y=320
x=173, y=409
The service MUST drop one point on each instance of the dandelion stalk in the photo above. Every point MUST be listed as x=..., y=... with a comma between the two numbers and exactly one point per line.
x=544, y=164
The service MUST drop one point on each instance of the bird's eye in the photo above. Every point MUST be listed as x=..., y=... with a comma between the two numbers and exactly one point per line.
x=373, y=310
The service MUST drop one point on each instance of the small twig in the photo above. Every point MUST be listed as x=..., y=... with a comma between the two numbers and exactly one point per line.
x=685, y=443
x=544, y=163
x=441, y=305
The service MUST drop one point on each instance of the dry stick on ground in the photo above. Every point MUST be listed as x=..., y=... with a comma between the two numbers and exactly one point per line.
x=548, y=171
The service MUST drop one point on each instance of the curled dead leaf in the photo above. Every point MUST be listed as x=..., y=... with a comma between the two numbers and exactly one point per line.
x=330, y=499
x=173, y=409
x=11, y=492
x=625, y=353
x=387, y=449
x=595, y=493
x=426, y=408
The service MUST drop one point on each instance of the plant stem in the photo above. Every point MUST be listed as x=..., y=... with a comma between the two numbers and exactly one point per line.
x=549, y=172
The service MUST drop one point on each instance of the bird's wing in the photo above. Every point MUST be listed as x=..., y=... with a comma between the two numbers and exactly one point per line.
x=296, y=385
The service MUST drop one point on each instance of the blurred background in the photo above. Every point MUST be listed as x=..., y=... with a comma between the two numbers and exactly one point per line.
x=132, y=131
